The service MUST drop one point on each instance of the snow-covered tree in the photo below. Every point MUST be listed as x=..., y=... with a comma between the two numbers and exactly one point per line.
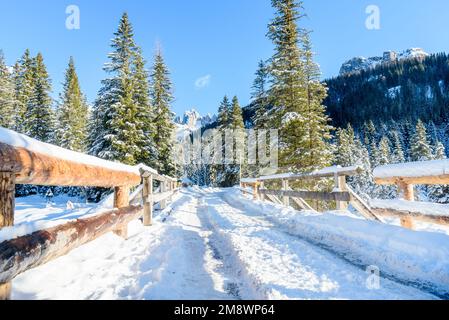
x=7, y=111
x=259, y=95
x=39, y=116
x=72, y=113
x=23, y=88
x=397, y=155
x=115, y=131
x=144, y=118
x=161, y=98
x=439, y=193
x=297, y=93
x=224, y=112
x=420, y=149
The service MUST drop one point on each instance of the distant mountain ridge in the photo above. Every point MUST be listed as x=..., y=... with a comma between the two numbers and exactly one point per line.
x=192, y=121
x=358, y=64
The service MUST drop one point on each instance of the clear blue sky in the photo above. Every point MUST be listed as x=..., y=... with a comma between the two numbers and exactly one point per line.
x=220, y=39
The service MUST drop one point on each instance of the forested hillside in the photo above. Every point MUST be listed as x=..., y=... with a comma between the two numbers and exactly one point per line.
x=406, y=89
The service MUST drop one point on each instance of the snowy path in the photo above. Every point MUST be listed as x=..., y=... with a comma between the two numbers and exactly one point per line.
x=203, y=247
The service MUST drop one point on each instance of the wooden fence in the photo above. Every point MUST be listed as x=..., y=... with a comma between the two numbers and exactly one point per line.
x=23, y=165
x=342, y=194
x=406, y=177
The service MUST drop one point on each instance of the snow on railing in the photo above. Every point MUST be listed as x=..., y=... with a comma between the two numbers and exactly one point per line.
x=24, y=160
x=342, y=193
x=405, y=176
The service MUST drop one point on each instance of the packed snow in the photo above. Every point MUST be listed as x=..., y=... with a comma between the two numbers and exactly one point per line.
x=219, y=244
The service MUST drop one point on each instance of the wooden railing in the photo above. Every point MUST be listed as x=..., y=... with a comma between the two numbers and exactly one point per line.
x=33, y=162
x=342, y=194
x=406, y=176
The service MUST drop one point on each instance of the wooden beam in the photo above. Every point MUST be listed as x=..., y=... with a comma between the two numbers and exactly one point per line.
x=163, y=201
x=7, y=204
x=285, y=198
x=361, y=206
x=340, y=184
x=310, y=195
x=442, y=179
x=256, y=191
x=414, y=216
x=262, y=186
x=147, y=196
x=406, y=191
x=325, y=173
x=30, y=251
x=121, y=200
x=41, y=169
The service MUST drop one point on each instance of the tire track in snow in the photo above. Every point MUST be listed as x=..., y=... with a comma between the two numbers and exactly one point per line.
x=283, y=266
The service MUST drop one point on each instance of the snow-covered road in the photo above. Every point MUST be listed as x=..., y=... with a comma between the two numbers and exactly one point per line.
x=204, y=247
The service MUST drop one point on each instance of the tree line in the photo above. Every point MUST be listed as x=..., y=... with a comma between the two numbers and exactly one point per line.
x=129, y=122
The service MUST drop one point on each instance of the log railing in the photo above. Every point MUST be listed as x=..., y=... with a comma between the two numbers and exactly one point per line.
x=406, y=176
x=27, y=161
x=342, y=193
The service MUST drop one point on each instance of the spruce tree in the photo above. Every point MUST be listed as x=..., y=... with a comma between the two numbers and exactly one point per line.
x=144, y=117
x=114, y=133
x=39, y=115
x=286, y=67
x=161, y=98
x=7, y=111
x=72, y=113
x=384, y=152
x=224, y=112
x=420, y=149
x=317, y=151
x=23, y=87
x=259, y=95
x=236, y=119
x=398, y=153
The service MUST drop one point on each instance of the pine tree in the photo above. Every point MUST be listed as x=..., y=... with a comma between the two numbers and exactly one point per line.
x=317, y=152
x=7, y=111
x=260, y=97
x=224, y=112
x=398, y=153
x=439, y=193
x=115, y=135
x=72, y=113
x=144, y=117
x=39, y=117
x=286, y=67
x=420, y=149
x=23, y=87
x=162, y=97
x=384, y=152
x=440, y=151
x=236, y=118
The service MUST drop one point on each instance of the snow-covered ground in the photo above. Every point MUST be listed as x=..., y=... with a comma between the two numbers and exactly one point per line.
x=217, y=244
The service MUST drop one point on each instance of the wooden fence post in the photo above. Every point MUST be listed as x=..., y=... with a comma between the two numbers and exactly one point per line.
x=256, y=190
x=340, y=184
x=147, y=201
x=121, y=200
x=285, y=199
x=407, y=192
x=163, y=203
x=7, y=203
x=262, y=186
